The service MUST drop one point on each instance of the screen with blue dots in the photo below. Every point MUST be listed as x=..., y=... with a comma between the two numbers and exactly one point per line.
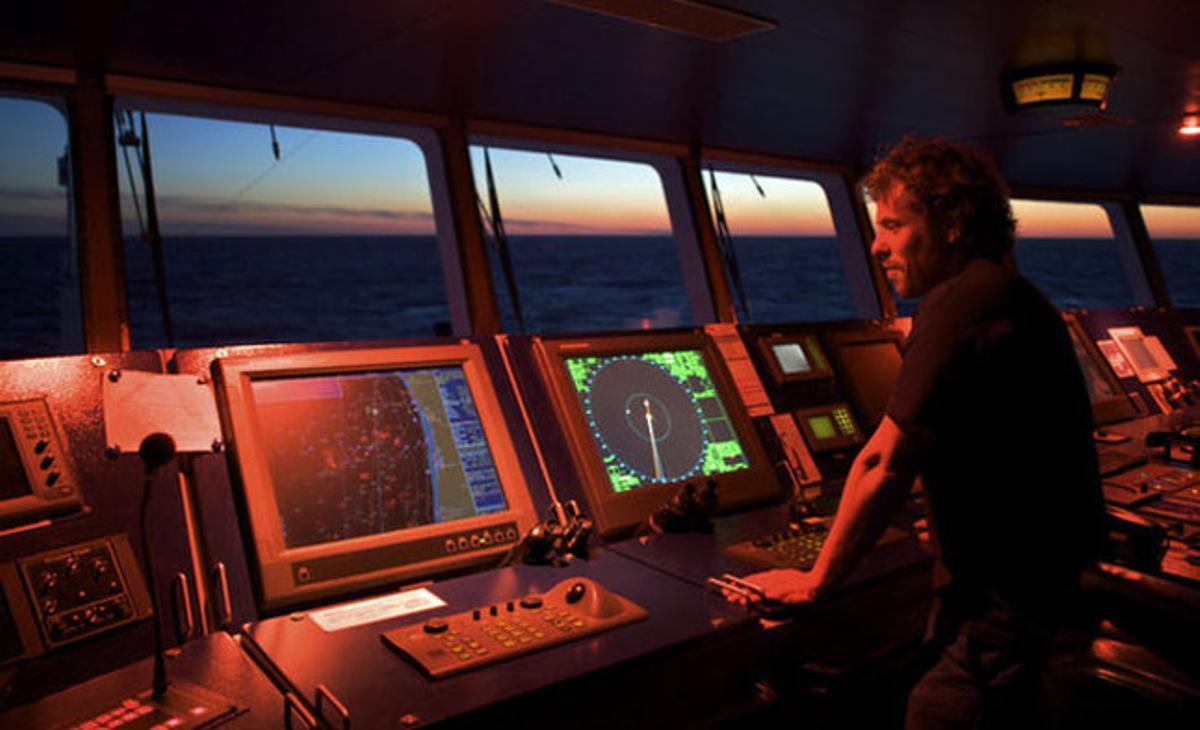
x=656, y=417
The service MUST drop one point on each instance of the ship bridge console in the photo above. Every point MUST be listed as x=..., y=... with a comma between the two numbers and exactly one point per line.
x=447, y=364
x=354, y=518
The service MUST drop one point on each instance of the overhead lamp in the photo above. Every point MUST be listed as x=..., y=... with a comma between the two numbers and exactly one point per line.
x=1068, y=83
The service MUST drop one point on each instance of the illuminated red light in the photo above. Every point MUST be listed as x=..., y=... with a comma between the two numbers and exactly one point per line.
x=1190, y=127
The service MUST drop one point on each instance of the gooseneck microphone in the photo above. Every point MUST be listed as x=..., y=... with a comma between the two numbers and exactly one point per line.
x=155, y=451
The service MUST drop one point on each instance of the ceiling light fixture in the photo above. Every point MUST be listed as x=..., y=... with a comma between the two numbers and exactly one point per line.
x=1058, y=84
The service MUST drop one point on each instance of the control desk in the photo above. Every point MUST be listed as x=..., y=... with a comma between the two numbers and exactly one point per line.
x=670, y=628
x=214, y=662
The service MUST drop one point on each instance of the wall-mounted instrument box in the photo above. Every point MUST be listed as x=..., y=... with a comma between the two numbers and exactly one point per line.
x=36, y=478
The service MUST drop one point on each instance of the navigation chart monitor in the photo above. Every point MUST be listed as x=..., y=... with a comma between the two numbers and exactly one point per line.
x=359, y=468
x=1110, y=402
x=645, y=414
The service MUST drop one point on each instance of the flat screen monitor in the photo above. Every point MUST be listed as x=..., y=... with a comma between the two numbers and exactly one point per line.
x=645, y=414
x=869, y=367
x=794, y=357
x=1110, y=402
x=367, y=467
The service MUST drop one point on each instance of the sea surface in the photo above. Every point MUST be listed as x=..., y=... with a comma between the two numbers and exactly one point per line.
x=226, y=290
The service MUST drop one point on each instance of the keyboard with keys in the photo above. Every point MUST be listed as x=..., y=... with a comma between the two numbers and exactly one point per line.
x=796, y=547
x=572, y=609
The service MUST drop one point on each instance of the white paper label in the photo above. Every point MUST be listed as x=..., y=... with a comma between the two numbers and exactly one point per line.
x=349, y=615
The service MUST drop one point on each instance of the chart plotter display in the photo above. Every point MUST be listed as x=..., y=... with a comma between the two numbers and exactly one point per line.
x=656, y=417
x=367, y=453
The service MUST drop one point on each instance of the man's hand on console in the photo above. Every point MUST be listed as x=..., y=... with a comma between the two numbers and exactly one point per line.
x=786, y=587
x=774, y=592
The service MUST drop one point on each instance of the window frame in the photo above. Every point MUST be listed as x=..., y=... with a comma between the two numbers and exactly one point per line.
x=52, y=87
x=662, y=158
x=246, y=107
x=844, y=201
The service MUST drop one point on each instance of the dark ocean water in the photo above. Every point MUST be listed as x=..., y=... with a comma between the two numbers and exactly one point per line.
x=235, y=290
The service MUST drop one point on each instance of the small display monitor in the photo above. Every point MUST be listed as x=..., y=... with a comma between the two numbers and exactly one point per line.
x=645, y=414
x=1145, y=355
x=791, y=358
x=14, y=481
x=1110, y=402
x=828, y=428
x=359, y=468
x=794, y=357
x=869, y=367
x=36, y=478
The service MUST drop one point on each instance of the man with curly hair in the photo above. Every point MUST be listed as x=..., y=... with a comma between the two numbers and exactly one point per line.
x=991, y=412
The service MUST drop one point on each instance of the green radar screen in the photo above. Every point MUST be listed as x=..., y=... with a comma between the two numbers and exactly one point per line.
x=656, y=417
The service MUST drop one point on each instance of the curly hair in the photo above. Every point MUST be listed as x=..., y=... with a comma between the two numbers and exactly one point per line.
x=955, y=185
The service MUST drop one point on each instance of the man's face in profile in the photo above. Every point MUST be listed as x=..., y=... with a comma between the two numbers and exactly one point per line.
x=912, y=252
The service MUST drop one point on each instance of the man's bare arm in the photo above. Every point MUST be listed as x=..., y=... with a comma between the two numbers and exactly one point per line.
x=878, y=482
x=880, y=478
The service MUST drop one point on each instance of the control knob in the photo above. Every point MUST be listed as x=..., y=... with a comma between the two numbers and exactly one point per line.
x=436, y=626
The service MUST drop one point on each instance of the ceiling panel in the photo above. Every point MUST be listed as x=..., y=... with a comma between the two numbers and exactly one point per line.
x=833, y=82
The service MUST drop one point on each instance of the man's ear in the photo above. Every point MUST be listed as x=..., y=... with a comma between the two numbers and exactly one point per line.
x=953, y=233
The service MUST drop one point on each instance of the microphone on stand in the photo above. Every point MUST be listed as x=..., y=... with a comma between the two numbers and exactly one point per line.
x=155, y=451
x=189, y=704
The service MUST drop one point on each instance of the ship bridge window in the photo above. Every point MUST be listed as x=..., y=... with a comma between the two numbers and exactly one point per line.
x=42, y=310
x=776, y=236
x=1068, y=251
x=1175, y=230
x=276, y=233
x=587, y=241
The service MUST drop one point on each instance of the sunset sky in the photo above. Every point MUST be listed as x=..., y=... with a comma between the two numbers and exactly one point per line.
x=218, y=177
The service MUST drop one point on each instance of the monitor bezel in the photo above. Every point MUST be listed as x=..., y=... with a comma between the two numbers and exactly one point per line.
x=1192, y=334
x=272, y=560
x=838, y=343
x=1109, y=410
x=617, y=512
x=767, y=343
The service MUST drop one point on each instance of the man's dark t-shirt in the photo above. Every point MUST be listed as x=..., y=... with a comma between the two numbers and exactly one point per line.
x=991, y=390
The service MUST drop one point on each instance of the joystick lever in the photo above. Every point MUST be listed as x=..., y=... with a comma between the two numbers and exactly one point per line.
x=576, y=592
x=564, y=535
x=690, y=510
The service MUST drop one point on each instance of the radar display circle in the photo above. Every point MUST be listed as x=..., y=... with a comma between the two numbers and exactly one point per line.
x=646, y=419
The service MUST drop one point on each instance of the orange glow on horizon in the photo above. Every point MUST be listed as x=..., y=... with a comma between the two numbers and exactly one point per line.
x=1172, y=221
x=1052, y=219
